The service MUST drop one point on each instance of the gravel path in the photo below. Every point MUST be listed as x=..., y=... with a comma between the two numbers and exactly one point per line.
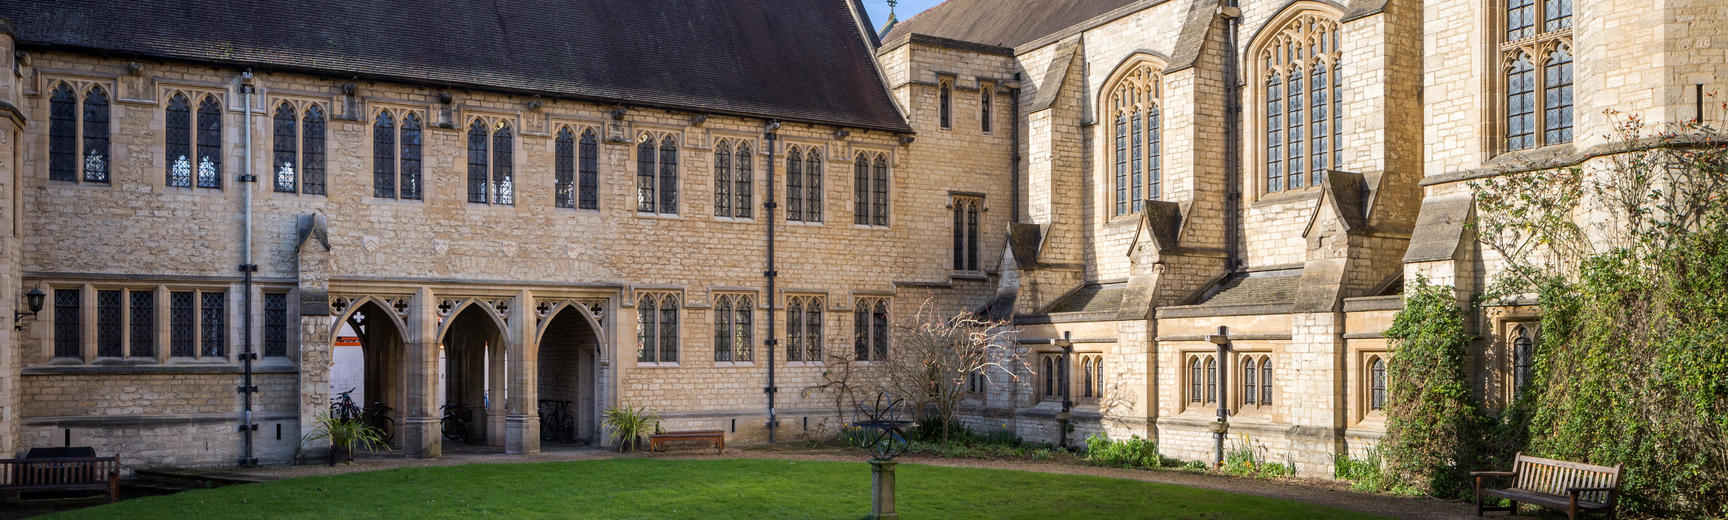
x=1313, y=491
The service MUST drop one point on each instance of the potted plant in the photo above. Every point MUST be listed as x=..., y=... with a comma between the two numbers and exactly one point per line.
x=345, y=435
x=629, y=424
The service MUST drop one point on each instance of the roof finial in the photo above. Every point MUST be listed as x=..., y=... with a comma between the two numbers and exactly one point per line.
x=891, y=19
x=891, y=8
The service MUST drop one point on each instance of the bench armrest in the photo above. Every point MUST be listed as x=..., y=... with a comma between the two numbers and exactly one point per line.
x=1493, y=473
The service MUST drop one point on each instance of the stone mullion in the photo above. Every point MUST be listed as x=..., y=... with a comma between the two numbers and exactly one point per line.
x=522, y=420
x=420, y=428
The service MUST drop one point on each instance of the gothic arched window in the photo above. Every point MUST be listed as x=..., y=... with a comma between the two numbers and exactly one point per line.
x=1265, y=381
x=645, y=177
x=285, y=127
x=722, y=179
x=668, y=175
x=178, y=140
x=794, y=183
x=312, y=150
x=870, y=189
x=657, y=328
x=95, y=158
x=63, y=134
x=589, y=181
x=1249, y=389
x=743, y=180
x=1136, y=92
x=297, y=149
x=209, y=143
x=410, y=157
x=1300, y=99
x=384, y=155
x=984, y=100
x=734, y=331
x=478, y=171
x=1211, y=380
x=1194, y=377
x=1376, y=383
x=1537, y=36
x=804, y=329
x=564, y=169
x=1523, y=359
x=812, y=186
x=503, y=166
x=945, y=99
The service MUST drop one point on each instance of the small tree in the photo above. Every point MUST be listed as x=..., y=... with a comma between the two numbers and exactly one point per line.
x=934, y=354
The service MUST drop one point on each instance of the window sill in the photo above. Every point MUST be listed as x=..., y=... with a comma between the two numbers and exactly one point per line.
x=796, y=364
x=968, y=275
x=810, y=223
x=491, y=205
x=666, y=216
x=396, y=200
x=735, y=220
x=870, y=226
x=643, y=364
x=1286, y=196
x=734, y=364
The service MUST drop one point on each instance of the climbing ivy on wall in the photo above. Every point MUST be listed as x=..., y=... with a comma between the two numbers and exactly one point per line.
x=1433, y=424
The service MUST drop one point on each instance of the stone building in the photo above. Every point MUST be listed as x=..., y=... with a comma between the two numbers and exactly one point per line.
x=1268, y=175
x=694, y=206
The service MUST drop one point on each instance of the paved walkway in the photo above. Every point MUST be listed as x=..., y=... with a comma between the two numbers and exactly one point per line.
x=1323, y=492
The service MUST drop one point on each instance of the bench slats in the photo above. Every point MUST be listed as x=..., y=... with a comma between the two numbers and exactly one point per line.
x=68, y=473
x=1547, y=482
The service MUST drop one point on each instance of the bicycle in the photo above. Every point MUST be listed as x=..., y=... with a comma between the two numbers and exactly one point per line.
x=556, y=422
x=378, y=417
x=342, y=406
x=454, y=423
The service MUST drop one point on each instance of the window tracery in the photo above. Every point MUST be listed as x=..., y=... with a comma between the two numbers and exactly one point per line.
x=1535, y=57
x=1134, y=106
x=1300, y=93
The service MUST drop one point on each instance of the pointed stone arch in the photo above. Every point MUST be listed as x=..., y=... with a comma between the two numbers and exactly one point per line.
x=488, y=306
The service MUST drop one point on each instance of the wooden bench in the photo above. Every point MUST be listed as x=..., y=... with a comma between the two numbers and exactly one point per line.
x=61, y=474
x=717, y=437
x=1574, y=488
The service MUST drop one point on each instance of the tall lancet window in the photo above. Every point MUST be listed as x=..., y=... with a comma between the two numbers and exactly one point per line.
x=1136, y=90
x=1535, y=62
x=1300, y=100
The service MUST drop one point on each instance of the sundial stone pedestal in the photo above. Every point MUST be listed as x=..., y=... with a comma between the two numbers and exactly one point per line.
x=882, y=490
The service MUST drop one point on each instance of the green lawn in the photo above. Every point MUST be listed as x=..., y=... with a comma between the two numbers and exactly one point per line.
x=659, y=488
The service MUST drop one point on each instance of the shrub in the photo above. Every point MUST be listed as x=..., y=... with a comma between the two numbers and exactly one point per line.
x=1133, y=452
x=629, y=424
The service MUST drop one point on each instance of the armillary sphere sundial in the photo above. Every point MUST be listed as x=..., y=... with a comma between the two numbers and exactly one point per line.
x=886, y=439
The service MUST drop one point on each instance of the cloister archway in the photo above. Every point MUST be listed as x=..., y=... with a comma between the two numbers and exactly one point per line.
x=568, y=376
x=475, y=370
x=380, y=385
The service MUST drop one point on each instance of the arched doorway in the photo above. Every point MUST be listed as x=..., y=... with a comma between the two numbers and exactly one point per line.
x=568, y=378
x=368, y=360
x=475, y=374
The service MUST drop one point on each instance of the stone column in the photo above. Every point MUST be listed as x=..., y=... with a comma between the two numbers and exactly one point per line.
x=521, y=415
x=316, y=327
x=496, y=364
x=421, y=436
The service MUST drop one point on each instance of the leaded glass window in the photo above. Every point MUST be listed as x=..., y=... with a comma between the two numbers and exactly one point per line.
x=312, y=151
x=1557, y=96
x=384, y=156
x=95, y=163
x=1377, y=384
x=870, y=329
x=794, y=184
x=182, y=324
x=589, y=189
x=63, y=134
x=503, y=165
x=143, y=329
x=1265, y=381
x=645, y=178
x=286, y=136
x=804, y=329
x=110, y=329
x=212, y=325
x=668, y=175
x=209, y=143
x=1134, y=105
x=478, y=171
x=275, y=324
x=1520, y=104
x=1523, y=359
x=984, y=100
x=743, y=179
x=564, y=169
x=879, y=191
x=1249, y=390
x=723, y=179
x=68, y=330
x=1194, y=379
x=723, y=329
x=813, y=186
x=1301, y=91
x=657, y=328
x=410, y=166
x=861, y=190
x=946, y=108
x=1536, y=59
x=1086, y=378
x=966, y=211
x=178, y=140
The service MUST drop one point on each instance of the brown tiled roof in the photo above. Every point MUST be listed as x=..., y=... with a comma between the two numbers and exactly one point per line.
x=806, y=62
x=1006, y=23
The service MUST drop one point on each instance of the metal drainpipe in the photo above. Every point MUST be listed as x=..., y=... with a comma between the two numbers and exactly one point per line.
x=1222, y=427
x=1014, y=140
x=1066, y=417
x=1232, y=139
x=247, y=179
x=768, y=210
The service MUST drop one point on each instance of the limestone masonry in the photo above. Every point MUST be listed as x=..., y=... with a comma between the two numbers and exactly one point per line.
x=497, y=227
